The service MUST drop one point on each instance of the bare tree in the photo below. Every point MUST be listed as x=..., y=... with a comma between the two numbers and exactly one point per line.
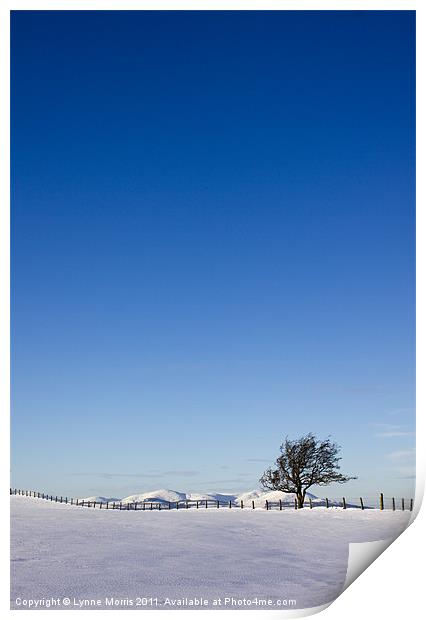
x=304, y=462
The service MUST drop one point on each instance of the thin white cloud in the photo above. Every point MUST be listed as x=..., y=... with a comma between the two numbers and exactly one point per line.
x=395, y=434
x=392, y=430
x=401, y=455
x=402, y=412
x=406, y=472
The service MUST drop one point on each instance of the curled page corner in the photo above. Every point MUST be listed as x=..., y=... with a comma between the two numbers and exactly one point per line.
x=285, y=613
x=361, y=555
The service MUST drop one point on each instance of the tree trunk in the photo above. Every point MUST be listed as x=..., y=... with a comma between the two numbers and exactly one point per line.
x=300, y=499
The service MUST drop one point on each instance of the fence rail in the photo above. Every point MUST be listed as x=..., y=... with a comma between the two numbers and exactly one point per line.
x=367, y=503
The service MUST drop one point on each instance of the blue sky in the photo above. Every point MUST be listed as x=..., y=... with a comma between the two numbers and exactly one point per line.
x=213, y=246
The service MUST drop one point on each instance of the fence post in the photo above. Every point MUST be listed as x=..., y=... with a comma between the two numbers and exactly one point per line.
x=143, y=506
x=159, y=506
x=242, y=505
x=393, y=503
x=230, y=503
x=186, y=503
x=344, y=503
x=107, y=507
x=177, y=505
x=61, y=499
x=252, y=503
x=326, y=502
x=71, y=501
x=120, y=505
x=171, y=505
x=100, y=505
x=281, y=505
x=362, y=503
x=411, y=505
x=310, y=502
x=150, y=506
x=402, y=504
x=295, y=503
x=56, y=498
x=267, y=505
x=217, y=505
x=382, y=504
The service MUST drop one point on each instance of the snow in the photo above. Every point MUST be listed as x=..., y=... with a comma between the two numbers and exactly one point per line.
x=100, y=498
x=59, y=550
x=259, y=497
x=166, y=495
x=221, y=497
x=161, y=495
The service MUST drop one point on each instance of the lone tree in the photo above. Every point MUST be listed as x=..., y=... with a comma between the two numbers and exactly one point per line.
x=304, y=462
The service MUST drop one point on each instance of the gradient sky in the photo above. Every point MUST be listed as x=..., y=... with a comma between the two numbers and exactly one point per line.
x=213, y=246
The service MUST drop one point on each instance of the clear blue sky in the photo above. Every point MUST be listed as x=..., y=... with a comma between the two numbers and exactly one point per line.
x=213, y=244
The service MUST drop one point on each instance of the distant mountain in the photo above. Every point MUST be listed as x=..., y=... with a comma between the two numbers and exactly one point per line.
x=259, y=496
x=212, y=496
x=160, y=495
x=100, y=498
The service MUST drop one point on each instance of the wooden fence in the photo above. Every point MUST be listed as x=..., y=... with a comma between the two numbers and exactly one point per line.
x=382, y=503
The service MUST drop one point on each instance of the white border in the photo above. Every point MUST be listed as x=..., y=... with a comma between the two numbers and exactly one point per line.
x=391, y=586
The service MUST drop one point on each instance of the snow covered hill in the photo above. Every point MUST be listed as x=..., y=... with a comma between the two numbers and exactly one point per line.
x=160, y=495
x=166, y=495
x=62, y=550
x=259, y=496
x=100, y=498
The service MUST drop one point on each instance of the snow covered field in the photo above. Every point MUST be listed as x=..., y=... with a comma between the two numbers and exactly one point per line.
x=60, y=551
